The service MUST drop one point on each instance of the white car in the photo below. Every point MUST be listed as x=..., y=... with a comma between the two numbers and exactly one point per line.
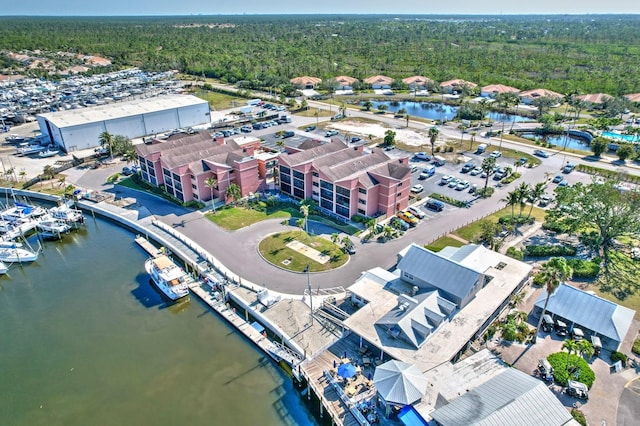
x=476, y=171
x=496, y=154
x=417, y=188
x=463, y=184
x=453, y=183
x=445, y=179
x=417, y=212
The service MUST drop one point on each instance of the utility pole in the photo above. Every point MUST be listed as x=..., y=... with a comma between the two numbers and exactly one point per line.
x=306, y=270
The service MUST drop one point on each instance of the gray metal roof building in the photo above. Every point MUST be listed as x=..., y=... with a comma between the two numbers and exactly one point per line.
x=510, y=398
x=591, y=313
x=78, y=129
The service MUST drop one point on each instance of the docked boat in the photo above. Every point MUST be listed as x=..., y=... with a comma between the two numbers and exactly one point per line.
x=14, y=139
x=3, y=268
x=12, y=253
x=31, y=149
x=67, y=214
x=53, y=228
x=168, y=277
x=48, y=153
x=22, y=211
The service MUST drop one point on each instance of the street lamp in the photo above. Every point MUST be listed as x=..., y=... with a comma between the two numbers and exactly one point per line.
x=306, y=271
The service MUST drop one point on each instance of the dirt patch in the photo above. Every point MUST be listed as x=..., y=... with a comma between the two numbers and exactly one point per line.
x=409, y=137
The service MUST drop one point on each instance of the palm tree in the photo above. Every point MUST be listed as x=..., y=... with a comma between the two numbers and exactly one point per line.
x=523, y=193
x=433, y=136
x=472, y=140
x=130, y=156
x=233, y=192
x=106, y=138
x=304, y=209
x=517, y=299
x=335, y=237
x=487, y=166
x=280, y=144
x=535, y=193
x=571, y=346
x=211, y=183
x=555, y=271
x=586, y=349
x=512, y=199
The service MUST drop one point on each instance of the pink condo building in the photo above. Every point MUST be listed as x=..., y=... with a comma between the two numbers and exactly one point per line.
x=346, y=180
x=183, y=163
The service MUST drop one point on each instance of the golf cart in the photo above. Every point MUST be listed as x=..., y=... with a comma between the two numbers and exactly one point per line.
x=577, y=334
x=577, y=390
x=547, y=323
x=546, y=371
x=561, y=328
x=597, y=345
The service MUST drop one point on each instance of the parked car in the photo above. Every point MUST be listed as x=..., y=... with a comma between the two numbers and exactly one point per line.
x=463, y=184
x=408, y=217
x=355, y=139
x=557, y=179
x=435, y=205
x=476, y=171
x=330, y=133
x=468, y=167
x=245, y=129
x=288, y=134
x=545, y=200
x=417, y=188
x=310, y=128
x=398, y=223
x=496, y=154
x=453, y=183
x=540, y=153
x=577, y=390
x=568, y=168
x=422, y=156
x=500, y=174
x=414, y=169
x=444, y=180
x=127, y=171
x=523, y=160
x=416, y=212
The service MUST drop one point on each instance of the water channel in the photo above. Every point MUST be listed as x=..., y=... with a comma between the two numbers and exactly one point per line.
x=87, y=340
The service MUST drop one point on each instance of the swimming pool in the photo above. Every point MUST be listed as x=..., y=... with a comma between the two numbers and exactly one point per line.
x=618, y=136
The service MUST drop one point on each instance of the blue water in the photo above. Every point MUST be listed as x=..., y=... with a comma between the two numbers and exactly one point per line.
x=436, y=111
x=618, y=136
x=560, y=141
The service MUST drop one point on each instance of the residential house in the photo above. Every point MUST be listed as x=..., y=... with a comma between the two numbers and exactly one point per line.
x=345, y=82
x=183, y=163
x=633, y=97
x=592, y=314
x=346, y=181
x=456, y=85
x=379, y=82
x=306, y=82
x=528, y=96
x=493, y=90
x=418, y=82
x=595, y=100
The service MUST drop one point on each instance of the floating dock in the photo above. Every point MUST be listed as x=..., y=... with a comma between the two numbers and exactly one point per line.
x=147, y=246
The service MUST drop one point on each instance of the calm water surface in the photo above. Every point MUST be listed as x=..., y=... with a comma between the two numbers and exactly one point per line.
x=438, y=111
x=86, y=340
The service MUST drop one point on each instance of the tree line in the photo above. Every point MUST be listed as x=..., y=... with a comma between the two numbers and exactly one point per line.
x=562, y=53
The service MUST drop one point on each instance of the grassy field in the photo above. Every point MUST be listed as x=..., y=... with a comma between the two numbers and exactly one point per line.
x=221, y=100
x=443, y=242
x=472, y=231
x=274, y=250
x=234, y=218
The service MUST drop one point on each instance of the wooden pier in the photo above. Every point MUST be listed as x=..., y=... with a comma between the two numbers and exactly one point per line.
x=147, y=246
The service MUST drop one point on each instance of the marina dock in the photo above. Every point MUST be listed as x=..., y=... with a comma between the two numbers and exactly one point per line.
x=147, y=246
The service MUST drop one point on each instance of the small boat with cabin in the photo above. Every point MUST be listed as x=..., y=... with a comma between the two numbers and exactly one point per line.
x=53, y=228
x=14, y=252
x=48, y=153
x=172, y=280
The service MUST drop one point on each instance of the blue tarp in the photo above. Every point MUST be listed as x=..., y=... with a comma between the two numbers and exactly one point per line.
x=410, y=417
x=259, y=328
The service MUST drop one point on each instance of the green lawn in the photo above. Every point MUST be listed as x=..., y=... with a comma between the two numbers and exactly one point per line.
x=472, y=231
x=443, y=242
x=234, y=218
x=221, y=100
x=273, y=249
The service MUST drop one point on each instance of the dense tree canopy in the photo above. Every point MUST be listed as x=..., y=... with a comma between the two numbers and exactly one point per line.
x=589, y=54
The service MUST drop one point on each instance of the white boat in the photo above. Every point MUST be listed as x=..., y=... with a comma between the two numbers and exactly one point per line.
x=48, y=153
x=3, y=268
x=14, y=139
x=168, y=277
x=67, y=214
x=13, y=228
x=22, y=211
x=31, y=149
x=53, y=228
x=15, y=253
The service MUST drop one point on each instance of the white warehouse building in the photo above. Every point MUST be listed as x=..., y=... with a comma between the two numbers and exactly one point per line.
x=79, y=129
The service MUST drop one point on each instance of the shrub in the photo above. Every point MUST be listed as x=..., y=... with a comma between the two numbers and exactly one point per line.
x=618, y=356
x=448, y=200
x=511, y=178
x=578, y=367
x=516, y=220
x=357, y=218
x=583, y=268
x=549, y=250
x=555, y=227
x=636, y=347
x=578, y=416
x=538, y=279
x=515, y=253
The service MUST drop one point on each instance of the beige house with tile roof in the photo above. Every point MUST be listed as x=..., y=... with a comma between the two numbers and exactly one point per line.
x=379, y=82
x=493, y=90
x=528, y=96
x=306, y=82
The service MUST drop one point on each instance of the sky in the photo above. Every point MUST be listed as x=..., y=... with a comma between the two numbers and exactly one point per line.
x=228, y=7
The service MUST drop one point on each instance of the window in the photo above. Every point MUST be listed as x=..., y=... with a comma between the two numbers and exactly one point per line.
x=195, y=196
x=315, y=174
x=342, y=191
x=194, y=187
x=408, y=276
x=315, y=184
x=360, y=201
x=362, y=191
x=298, y=175
x=362, y=212
x=342, y=211
x=285, y=187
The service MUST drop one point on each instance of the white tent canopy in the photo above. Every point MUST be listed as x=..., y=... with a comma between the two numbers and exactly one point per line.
x=399, y=383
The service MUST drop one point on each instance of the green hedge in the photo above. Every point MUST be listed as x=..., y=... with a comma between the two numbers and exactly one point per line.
x=636, y=347
x=515, y=253
x=579, y=417
x=618, y=356
x=516, y=220
x=549, y=250
x=448, y=200
x=558, y=361
x=555, y=227
x=583, y=268
x=511, y=178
